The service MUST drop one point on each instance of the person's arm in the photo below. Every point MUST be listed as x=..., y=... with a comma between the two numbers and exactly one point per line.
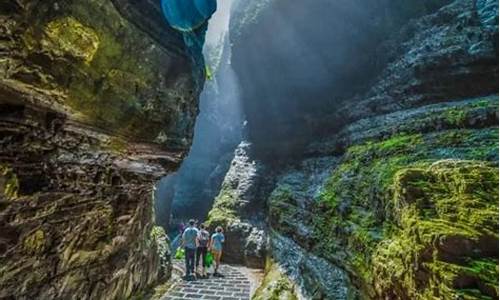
x=183, y=238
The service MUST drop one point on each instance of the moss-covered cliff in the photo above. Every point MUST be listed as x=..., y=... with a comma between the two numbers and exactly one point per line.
x=96, y=104
x=411, y=213
x=381, y=180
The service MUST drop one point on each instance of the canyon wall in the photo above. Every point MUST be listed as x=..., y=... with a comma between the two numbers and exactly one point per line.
x=217, y=132
x=97, y=101
x=374, y=127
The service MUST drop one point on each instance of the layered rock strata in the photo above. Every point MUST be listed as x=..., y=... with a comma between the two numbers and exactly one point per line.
x=94, y=108
x=393, y=189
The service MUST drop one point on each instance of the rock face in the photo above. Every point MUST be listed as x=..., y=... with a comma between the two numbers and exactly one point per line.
x=218, y=132
x=238, y=210
x=94, y=108
x=387, y=189
x=296, y=62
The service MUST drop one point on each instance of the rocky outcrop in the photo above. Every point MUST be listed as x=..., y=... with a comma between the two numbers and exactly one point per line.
x=93, y=111
x=275, y=285
x=218, y=132
x=446, y=233
x=313, y=277
x=239, y=209
x=452, y=47
x=375, y=183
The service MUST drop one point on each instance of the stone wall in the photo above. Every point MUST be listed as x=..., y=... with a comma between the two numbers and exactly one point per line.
x=95, y=107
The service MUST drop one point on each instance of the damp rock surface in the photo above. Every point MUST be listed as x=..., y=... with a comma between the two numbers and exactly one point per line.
x=385, y=187
x=94, y=109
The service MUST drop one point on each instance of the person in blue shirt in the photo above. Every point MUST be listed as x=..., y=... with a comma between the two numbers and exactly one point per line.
x=216, y=246
x=190, y=243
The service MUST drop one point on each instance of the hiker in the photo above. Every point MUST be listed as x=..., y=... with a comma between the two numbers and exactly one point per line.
x=182, y=227
x=190, y=243
x=202, y=250
x=216, y=247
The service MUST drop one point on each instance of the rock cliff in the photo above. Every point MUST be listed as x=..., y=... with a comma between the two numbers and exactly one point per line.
x=97, y=102
x=380, y=176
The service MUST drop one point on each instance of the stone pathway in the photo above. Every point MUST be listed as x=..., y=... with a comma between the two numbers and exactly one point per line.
x=233, y=286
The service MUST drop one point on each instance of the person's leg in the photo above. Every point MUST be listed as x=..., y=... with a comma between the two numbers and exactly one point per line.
x=198, y=254
x=214, y=262
x=217, y=255
x=203, y=260
x=186, y=260
x=192, y=253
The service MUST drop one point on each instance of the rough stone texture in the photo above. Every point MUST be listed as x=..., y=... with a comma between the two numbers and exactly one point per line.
x=239, y=210
x=353, y=215
x=429, y=110
x=93, y=111
x=450, y=54
x=218, y=132
x=316, y=277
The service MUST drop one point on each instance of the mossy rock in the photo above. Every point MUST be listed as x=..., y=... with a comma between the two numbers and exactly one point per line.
x=9, y=183
x=35, y=242
x=109, y=73
x=67, y=36
x=447, y=238
x=160, y=239
x=224, y=211
x=275, y=285
x=358, y=215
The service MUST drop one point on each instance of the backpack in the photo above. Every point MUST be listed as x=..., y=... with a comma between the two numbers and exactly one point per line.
x=204, y=238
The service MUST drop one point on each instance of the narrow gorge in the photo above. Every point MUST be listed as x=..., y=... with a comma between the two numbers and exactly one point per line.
x=348, y=149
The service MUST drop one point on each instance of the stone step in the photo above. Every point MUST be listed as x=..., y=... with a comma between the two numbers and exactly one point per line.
x=233, y=286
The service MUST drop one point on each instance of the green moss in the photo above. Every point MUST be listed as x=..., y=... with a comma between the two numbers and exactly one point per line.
x=162, y=244
x=483, y=103
x=456, y=117
x=35, y=242
x=92, y=57
x=485, y=269
x=276, y=285
x=117, y=145
x=359, y=216
x=223, y=212
x=463, y=197
x=67, y=36
x=472, y=294
x=280, y=210
x=9, y=183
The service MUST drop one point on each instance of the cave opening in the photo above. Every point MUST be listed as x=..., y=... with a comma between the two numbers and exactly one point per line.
x=190, y=192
